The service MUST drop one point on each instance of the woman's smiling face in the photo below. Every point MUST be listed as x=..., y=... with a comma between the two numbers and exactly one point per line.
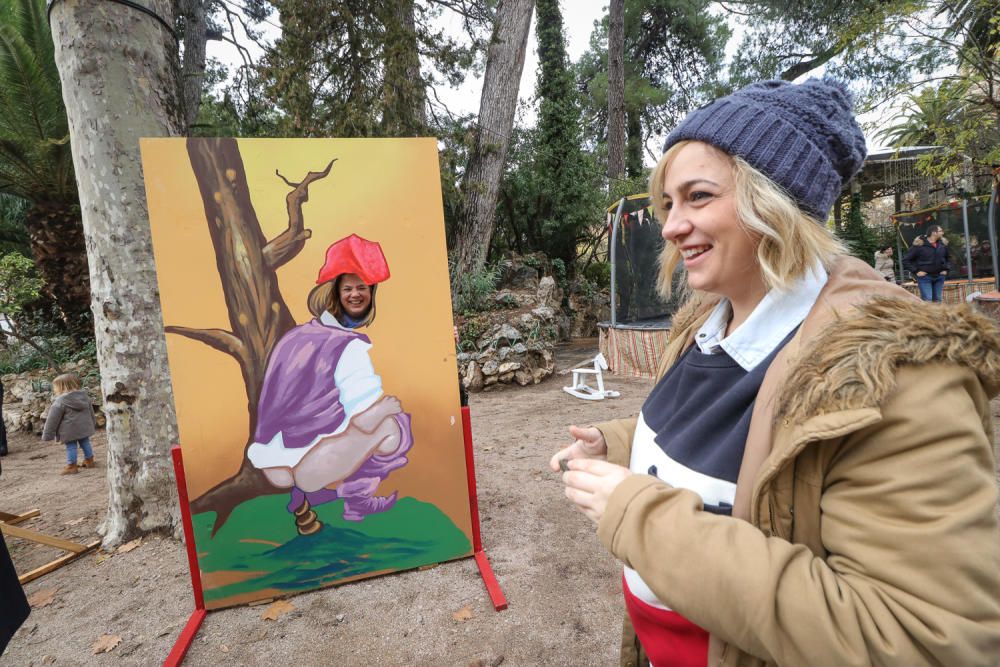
x=355, y=296
x=719, y=254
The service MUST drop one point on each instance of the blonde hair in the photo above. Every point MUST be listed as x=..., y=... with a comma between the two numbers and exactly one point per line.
x=791, y=242
x=65, y=383
x=326, y=297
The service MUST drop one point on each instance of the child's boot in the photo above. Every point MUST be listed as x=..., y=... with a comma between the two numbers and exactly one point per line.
x=70, y=469
x=88, y=463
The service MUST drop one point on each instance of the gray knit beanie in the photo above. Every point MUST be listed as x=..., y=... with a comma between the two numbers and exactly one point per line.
x=803, y=136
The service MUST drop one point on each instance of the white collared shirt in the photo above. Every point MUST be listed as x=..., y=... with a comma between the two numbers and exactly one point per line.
x=776, y=316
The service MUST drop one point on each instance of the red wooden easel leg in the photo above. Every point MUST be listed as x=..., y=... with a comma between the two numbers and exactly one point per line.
x=489, y=579
x=192, y=551
x=187, y=635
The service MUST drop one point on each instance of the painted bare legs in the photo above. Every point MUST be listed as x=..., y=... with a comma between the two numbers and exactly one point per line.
x=359, y=459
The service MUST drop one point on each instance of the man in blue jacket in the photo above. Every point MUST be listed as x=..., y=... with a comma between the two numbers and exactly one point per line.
x=929, y=263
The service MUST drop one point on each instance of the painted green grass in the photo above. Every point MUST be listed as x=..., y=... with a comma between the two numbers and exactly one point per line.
x=411, y=534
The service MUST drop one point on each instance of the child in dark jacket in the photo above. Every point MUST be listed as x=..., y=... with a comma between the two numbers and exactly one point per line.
x=71, y=421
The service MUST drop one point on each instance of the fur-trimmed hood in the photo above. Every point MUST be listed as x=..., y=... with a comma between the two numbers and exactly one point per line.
x=853, y=363
x=922, y=239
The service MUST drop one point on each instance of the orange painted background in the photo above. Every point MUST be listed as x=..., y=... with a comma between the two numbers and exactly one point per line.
x=385, y=190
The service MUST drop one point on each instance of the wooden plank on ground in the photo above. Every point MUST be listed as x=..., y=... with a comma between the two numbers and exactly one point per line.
x=41, y=538
x=11, y=519
x=57, y=563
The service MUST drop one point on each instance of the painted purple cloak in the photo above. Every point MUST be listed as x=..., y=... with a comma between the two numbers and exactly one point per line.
x=300, y=397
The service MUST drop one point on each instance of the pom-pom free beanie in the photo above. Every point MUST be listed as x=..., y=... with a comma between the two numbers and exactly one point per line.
x=803, y=136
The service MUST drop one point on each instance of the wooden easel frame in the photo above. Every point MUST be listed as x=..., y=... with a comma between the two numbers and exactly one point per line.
x=74, y=549
x=184, y=641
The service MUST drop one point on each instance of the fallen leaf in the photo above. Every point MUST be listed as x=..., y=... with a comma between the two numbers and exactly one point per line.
x=224, y=648
x=277, y=609
x=105, y=644
x=129, y=546
x=101, y=557
x=42, y=598
x=76, y=521
x=463, y=614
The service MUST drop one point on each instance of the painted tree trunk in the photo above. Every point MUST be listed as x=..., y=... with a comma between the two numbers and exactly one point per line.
x=481, y=183
x=616, y=91
x=118, y=68
x=55, y=232
x=247, y=264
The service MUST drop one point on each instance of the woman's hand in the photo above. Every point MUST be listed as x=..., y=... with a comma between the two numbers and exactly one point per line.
x=588, y=444
x=589, y=484
x=921, y=274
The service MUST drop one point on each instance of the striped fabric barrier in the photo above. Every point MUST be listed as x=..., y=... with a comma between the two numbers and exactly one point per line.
x=957, y=291
x=633, y=352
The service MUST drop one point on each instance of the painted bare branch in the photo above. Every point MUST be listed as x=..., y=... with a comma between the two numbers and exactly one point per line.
x=290, y=242
x=219, y=339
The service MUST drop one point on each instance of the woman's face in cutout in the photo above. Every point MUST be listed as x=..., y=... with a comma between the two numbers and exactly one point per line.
x=355, y=296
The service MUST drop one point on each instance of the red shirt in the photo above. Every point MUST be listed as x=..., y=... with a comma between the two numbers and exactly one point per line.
x=670, y=640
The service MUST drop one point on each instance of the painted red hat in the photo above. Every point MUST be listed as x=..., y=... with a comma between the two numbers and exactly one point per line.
x=355, y=255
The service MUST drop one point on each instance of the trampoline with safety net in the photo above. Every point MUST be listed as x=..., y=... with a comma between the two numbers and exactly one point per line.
x=634, y=338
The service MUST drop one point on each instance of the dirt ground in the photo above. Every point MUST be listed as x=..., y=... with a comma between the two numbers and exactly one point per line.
x=563, y=589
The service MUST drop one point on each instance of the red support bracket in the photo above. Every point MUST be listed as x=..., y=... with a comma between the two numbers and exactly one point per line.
x=187, y=635
x=183, y=642
x=489, y=579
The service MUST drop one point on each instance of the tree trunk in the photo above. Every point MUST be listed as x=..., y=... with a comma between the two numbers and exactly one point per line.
x=616, y=91
x=193, y=68
x=118, y=68
x=403, y=99
x=633, y=145
x=55, y=232
x=258, y=315
x=481, y=183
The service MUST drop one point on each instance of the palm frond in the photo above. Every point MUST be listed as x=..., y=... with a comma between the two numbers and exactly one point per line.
x=35, y=157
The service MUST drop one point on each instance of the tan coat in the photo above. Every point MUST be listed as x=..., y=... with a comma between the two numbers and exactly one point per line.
x=866, y=532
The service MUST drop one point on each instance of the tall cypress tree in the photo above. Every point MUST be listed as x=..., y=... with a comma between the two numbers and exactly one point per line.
x=560, y=167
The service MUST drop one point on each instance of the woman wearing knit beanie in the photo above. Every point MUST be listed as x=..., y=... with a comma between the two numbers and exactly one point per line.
x=811, y=480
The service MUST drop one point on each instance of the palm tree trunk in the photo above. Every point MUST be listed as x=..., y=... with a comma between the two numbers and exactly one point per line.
x=55, y=231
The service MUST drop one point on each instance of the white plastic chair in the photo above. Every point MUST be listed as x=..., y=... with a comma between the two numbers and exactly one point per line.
x=581, y=389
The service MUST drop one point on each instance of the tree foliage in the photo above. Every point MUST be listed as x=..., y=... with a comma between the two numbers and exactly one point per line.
x=561, y=178
x=673, y=56
x=330, y=71
x=35, y=159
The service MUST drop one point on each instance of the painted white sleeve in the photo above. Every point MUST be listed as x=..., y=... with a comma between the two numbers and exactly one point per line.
x=359, y=388
x=355, y=377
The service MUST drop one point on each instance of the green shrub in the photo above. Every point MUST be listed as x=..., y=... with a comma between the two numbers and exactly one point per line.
x=598, y=273
x=474, y=291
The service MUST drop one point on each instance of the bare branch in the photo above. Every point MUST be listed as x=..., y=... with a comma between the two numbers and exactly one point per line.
x=288, y=244
x=218, y=339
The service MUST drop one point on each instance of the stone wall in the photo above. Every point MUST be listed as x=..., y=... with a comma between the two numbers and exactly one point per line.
x=27, y=396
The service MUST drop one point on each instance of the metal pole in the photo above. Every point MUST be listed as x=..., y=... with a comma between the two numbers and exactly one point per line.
x=991, y=225
x=965, y=224
x=613, y=252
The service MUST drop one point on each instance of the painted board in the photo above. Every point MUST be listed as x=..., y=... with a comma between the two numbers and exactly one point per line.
x=304, y=285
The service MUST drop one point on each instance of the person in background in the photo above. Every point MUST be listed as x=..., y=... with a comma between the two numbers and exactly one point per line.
x=929, y=262
x=883, y=263
x=14, y=607
x=811, y=481
x=71, y=421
